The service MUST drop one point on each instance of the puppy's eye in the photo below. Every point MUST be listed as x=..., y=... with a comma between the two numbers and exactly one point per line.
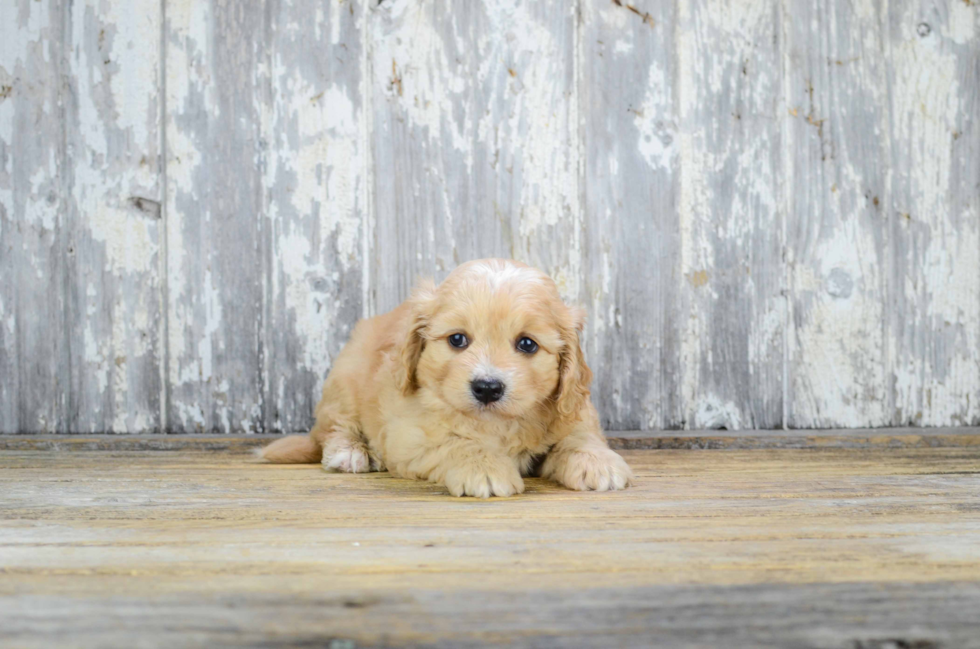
x=459, y=341
x=527, y=345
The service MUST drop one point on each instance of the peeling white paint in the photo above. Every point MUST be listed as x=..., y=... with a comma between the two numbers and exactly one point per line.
x=327, y=163
x=963, y=18
x=851, y=357
x=656, y=140
x=841, y=379
x=713, y=413
x=129, y=239
x=549, y=172
x=936, y=373
x=40, y=209
x=415, y=72
x=307, y=305
x=728, y=211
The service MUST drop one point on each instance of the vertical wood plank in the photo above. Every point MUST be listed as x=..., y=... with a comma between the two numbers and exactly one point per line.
x=627, y=102
x=729, y=92
x=934, y=298
x=34, y=354
x=315, y=198
x=213, y=206
x=475, y=140
x=114, y=219
x=837, y=235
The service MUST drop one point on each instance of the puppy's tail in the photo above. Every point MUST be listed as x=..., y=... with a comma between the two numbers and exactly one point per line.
x=294, y=449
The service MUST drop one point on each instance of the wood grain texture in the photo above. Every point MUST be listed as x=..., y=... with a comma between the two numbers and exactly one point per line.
x=215, y=275
x=837, y=124
x=113, y=220
x=770, y=210
x=475, y=140
x=832, y=548
x=632, y=257
x=934, y=221
x=314, y=198
x=729, y=92
x=34, y=203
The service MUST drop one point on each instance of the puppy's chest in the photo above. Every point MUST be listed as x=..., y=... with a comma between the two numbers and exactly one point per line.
x=422, y=427
x=514, y=437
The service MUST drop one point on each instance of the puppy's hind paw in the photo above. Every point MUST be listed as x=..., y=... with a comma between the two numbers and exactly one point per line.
x=591, y=470
x=351, y=459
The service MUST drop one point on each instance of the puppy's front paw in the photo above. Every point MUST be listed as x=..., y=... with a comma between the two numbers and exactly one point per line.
x=598, y=469
x=352, y=458
x=484, y=478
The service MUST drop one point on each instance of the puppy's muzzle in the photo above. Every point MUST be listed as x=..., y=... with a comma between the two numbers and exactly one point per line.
x=487, y=391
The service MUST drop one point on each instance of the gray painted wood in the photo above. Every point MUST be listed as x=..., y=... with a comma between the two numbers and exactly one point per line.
x=817, y=616
x=81, y=103
x=199, y=199
x=837, y=130
x=214, y=104
x=632, y=256
x=34, y=205
x=933, y=295
x=732, y=307
x=113, y=220
x=314, y=199
x=475, y=140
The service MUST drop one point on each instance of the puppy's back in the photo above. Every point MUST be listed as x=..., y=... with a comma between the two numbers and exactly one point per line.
x=350, y=393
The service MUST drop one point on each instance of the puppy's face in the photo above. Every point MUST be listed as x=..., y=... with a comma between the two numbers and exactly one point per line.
x=493, y=340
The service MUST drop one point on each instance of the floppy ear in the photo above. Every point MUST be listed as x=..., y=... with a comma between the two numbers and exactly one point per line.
x=574, y=376
x=422, y=304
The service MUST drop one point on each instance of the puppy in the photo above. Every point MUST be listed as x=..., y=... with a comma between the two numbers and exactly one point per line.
x=468, y=384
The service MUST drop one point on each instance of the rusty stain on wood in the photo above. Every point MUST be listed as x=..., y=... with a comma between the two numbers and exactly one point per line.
x=698, y=278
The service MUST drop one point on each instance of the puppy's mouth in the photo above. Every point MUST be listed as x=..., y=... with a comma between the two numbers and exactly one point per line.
x=495, y=409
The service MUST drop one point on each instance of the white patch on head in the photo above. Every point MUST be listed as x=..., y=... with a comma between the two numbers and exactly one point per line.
x=497, y=274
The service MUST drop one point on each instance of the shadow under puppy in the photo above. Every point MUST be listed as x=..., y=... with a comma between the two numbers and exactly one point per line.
x=466, y=384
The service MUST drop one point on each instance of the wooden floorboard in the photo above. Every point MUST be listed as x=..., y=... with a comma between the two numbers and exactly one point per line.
x=201, y=546
x=861, y=438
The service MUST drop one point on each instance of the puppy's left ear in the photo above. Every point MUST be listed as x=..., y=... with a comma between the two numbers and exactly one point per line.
x=422, y=304
x=574, y=376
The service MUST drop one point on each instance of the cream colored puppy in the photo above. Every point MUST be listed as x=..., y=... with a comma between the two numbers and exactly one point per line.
x=468, y=384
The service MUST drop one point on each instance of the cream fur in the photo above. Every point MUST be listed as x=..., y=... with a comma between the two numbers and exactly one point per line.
x=398, y=396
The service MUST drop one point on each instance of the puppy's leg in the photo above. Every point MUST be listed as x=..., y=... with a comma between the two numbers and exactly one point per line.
x=345, y=451
x=344, y=448
x=468, y=469
x=583, y=461
x=337, y=432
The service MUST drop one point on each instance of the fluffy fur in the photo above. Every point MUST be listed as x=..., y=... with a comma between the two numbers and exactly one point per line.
x=399, y=395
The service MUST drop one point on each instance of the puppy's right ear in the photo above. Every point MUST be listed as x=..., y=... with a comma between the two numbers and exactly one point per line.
x=422, y=305
x=575, y=377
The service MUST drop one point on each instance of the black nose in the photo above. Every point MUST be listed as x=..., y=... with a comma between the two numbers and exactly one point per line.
x=487, y=391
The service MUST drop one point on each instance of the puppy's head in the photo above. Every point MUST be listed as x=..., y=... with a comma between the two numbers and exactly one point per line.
x=496, y=340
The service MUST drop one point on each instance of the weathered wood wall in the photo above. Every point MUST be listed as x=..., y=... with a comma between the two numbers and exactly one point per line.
x=771, y=208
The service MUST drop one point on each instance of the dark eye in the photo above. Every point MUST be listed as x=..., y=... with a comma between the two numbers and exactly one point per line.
x=459, y=341
x=527, y=345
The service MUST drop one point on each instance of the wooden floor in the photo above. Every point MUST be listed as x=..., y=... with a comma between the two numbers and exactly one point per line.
x=849, y=548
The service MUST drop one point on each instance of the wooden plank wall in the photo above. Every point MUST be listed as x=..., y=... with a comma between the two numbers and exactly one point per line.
x=770, y=208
